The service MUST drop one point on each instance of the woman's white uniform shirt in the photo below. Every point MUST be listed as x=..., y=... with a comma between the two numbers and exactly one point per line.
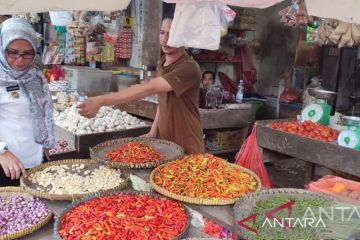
x=16, y=128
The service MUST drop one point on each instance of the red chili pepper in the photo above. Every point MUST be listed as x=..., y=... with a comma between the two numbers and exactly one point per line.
x=124, y=217
x=135, y=152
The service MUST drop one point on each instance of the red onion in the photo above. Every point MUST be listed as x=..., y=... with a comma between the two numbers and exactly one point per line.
x=18, y=213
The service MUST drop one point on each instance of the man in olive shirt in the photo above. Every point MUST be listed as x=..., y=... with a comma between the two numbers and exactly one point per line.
x=177, y=117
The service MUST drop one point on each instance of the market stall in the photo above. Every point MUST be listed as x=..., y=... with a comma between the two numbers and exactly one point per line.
x=139, y=188
x=239, y=118
x=314, y=152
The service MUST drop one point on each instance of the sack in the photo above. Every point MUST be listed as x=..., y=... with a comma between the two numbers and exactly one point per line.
x=196, y=26
x=251, y=158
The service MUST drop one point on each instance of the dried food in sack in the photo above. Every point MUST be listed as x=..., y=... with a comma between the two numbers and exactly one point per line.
x=355, y=33
x=251, y=158
x=295, y=15
x=340, y=30
x=346, y=39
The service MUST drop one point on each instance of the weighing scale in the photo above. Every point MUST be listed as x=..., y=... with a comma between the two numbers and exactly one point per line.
x=320, y=110
x=351, y=137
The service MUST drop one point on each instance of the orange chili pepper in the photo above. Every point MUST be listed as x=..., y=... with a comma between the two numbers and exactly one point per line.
x=204, y=176
x=135, y=152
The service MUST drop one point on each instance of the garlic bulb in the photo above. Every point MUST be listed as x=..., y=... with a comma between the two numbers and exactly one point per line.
x=107, y=120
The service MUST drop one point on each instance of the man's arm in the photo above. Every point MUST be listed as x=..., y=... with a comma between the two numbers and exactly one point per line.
x=154, y=131
x=91, y=106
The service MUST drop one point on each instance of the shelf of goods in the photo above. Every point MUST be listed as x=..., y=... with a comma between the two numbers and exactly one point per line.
x=312, y=151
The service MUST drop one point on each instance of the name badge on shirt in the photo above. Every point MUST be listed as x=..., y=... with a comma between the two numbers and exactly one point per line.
x=13, y=91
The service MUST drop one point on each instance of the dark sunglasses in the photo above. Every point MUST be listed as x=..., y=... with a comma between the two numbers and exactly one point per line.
x=15, y=54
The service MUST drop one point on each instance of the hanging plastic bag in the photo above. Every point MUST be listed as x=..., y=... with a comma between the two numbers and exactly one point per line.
x=289, y=95
x=239, y=3
x=196, y=26
x=61, y=18
x=251, y=158
x=227, y=15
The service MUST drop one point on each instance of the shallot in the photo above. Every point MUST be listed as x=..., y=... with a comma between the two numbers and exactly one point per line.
x=18, y=213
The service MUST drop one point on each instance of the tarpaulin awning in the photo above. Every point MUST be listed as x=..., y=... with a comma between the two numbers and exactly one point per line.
x=239, y=3
x=344, y=10
x=37, y=6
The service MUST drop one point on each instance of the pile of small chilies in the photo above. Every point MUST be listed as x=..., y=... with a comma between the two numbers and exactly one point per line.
x=205, y=176
x=135, y=152
x=126, y=217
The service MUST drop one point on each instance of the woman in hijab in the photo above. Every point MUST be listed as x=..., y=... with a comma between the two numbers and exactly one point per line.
x=26, y=114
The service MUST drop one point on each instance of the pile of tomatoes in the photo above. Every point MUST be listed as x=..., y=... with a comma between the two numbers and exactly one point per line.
x=307, y=129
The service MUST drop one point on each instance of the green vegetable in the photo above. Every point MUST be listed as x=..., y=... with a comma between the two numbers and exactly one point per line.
x=269, y=229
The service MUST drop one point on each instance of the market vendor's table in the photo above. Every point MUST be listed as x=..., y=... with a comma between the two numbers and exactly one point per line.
x=313, y=152
x=211, y=118
x=82, y=143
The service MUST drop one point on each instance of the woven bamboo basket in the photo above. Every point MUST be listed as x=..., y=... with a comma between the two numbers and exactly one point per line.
x=243, y=207
x=73, y=205
x=170, y=150
x=31, y=187
x=7, y=191
x=200, y=201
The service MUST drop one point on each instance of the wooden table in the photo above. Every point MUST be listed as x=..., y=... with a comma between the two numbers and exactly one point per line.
x=313, y=152
x=210, y=118
x=222, y=215
x=82, y=143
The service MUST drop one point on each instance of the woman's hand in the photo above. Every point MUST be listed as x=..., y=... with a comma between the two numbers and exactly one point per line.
x=12, y=166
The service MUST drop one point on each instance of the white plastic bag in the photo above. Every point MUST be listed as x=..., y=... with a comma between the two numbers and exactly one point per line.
x=196, y=25
x=239, y=3
x=61, y=18
x=227, y=15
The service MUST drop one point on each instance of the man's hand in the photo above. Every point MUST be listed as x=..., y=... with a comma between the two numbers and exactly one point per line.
x=90, y=107
x=11, y=165
x=151, y=134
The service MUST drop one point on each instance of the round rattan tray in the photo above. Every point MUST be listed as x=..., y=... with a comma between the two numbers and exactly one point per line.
x=244, y=206
x=31, y=187
x=58, y=220
x=199, y=200
x=170, y=150
x=8, y=191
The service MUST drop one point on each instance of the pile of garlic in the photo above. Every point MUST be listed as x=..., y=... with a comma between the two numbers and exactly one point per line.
x=63, y=179
x=107, y=120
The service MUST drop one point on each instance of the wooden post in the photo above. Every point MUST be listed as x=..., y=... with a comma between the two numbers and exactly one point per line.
x=309, y=172
x=146, y=42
